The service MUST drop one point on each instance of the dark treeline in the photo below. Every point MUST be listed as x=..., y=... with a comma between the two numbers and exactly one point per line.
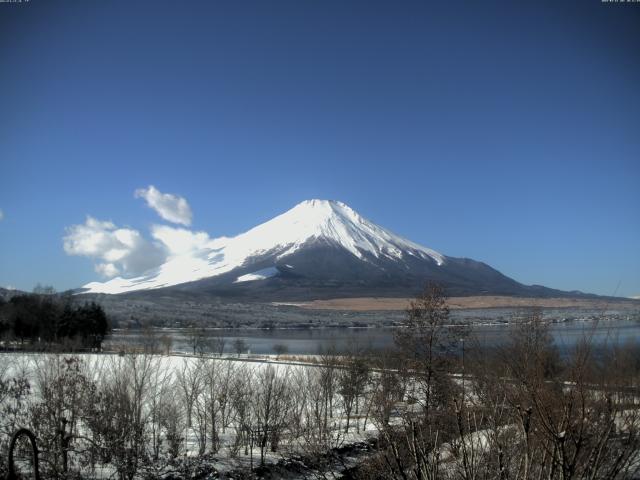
x=36, y=320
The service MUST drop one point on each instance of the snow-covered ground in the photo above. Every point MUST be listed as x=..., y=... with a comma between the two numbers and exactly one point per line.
x=164, y=374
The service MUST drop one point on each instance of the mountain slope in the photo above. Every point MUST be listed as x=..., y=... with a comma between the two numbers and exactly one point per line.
x=318, y=249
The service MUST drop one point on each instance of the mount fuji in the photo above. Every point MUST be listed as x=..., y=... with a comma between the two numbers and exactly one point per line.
x=318, y=249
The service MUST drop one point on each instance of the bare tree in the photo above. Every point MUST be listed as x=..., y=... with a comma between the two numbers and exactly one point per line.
x=270, y=407
x=55, y=419
x=196, y=339
x=173, y=425
x=227, y=372
x=166, y=342
x=328, y=381
x=578, y=415
x=217, y=342
x=190, y=383
x=157, y=405
x=240, y=346
x=418, y=390
x=425, y=342
x=280, y=349
x=319, y=435
x=214, y=398
x=299, y=404
x=116, y=416
x=352, y=381
x=241, y=396
x=149, y=340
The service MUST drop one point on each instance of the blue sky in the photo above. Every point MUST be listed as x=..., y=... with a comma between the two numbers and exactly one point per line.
x=503, y=131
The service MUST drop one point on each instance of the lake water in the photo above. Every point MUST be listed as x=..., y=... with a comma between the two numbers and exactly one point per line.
x=311, y=341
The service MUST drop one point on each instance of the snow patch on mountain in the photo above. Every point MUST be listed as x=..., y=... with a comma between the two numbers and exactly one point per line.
x=311, y=221
x=258, y=275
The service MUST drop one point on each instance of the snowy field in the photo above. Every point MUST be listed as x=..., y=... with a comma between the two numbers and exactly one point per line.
x=227, y=413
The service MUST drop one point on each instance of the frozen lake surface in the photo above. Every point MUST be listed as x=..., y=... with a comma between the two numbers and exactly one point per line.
x=311, y=341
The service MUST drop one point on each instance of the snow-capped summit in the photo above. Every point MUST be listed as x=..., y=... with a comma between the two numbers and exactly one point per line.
x=318, y=248
x=324, y=220
x=312, y=222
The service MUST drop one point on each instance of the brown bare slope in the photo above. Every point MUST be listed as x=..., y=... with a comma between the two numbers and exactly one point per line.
x=394, y=304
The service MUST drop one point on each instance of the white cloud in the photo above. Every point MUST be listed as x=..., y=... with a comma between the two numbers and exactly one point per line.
x=172, y=208
x=122, y=251
x=107, y=269
x=180, y=241
x=119, y=250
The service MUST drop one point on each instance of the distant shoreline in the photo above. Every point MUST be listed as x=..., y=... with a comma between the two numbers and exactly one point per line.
x=365, y=304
